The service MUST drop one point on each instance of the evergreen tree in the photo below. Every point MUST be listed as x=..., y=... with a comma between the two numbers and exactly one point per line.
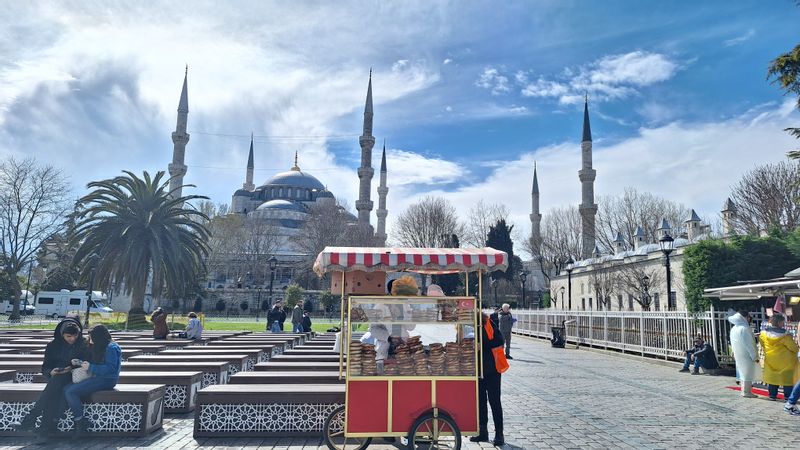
x=499, y=238
x=451, y=284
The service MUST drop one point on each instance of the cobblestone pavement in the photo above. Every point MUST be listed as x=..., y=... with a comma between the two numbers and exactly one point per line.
x=567, y=399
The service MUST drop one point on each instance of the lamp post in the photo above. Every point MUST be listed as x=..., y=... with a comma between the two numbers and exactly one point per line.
x=561, y=289
x=523, y=276
x=493, y=283
x=667, y=246
x=273, y=263
x=570, y=266
x=645, y=291
x=93, y=263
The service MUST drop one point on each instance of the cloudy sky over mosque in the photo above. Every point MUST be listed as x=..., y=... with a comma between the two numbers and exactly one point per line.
x=467, y=94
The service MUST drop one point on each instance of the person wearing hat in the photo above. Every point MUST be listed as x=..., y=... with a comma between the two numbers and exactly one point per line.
x=702, y=355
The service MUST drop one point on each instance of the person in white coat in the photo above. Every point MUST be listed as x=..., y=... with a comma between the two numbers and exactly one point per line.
x=744, y=351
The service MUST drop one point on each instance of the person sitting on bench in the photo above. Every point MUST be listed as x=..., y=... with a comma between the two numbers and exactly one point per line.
x=702, y=355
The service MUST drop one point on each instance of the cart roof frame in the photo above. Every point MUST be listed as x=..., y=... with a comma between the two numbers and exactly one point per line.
x=399, y=259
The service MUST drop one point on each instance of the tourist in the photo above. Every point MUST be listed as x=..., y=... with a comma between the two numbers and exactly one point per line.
x=506, y=322
x=275, y=318
x=489, y=385
x=434, y=290
x=297, y=317
x=306, y=322
x=791, y=401
x=160, y=328
x=194, y=329
x=744, y=351
x=780, y=356
x=67, y=344
x=702, y=355
x=106, y=358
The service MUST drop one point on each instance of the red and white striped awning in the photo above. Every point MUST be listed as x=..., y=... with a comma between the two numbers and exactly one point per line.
x=427, y=260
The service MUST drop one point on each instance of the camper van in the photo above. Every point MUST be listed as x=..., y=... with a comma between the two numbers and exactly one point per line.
x=26, y=307
x=58, y=303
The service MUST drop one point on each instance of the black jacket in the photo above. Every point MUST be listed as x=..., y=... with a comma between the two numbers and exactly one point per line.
x=276, y=314
x=306, y=324
x=59, y=353
x=489, y=370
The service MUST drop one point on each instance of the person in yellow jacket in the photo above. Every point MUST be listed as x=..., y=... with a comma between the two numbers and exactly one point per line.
x=780, y=356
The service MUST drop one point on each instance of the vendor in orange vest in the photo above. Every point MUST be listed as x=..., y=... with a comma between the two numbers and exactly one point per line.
x=489, y=385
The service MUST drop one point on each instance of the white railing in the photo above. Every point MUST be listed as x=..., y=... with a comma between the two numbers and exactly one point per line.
x=658, y=334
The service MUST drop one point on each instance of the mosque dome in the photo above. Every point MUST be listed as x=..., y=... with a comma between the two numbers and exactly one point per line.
x=296, y=179
x=281, y=205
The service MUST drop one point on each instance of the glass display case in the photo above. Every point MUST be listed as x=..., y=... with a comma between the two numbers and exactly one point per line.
x=411, y=337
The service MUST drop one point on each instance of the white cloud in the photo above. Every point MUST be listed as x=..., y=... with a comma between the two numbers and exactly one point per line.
x=410, y=168
x=610, y=77
x=740, y=39
x=447, y=61
x=492, y=79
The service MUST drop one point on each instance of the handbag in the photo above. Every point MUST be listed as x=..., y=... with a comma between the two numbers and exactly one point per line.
x=499, y=354
x=79, y=374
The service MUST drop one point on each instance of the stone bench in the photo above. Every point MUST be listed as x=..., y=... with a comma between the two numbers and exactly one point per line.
x=8, y=376
x=213, y=372
x=25, y=371
x=128, y=410
x=39, y=354
x=22, y=348
x=276, y=347
x=254, y=356
x=297, y=366
x=260, y=410
x=310, y=351
x=306, y=358
x=149, y=343
x=286, y=377
x=236, y=362
x=266, y=351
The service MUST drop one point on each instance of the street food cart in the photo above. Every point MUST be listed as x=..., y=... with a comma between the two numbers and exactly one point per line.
x=418, y=377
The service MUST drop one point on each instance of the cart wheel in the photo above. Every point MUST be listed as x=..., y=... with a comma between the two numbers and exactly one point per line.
x=334, y=433
x=434, y=432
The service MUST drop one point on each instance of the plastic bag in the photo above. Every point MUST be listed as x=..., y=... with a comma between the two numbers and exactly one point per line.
x=79, y=374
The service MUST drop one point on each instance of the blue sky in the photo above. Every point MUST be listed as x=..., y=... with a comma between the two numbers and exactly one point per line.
x=467, y=94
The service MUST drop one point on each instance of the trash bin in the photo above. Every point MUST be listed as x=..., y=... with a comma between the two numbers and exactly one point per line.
x=559, y=338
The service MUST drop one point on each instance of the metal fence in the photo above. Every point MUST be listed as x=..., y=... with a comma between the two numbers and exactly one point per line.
x=657, y=334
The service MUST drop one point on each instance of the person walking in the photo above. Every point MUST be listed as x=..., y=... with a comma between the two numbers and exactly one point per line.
x=67, y=344
x=106, y=358
x=306, y=322
x=160, y=328
x=275, y=318
x=506, y=322
x=744, y=351
x=297, y=317
x=780, y=357
x=489, y=385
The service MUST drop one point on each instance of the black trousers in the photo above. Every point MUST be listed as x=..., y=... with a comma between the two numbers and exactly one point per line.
x=489, y=389
x=51, y=404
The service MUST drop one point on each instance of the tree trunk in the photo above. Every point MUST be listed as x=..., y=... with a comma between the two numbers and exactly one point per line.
x=17, y=290
x=136, y=315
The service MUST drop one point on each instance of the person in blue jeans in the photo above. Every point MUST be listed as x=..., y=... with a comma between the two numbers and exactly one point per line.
x=702, y=355
x=106, y=359
x=791, y=401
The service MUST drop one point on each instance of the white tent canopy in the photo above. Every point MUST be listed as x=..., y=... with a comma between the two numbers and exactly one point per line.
x=788, y=285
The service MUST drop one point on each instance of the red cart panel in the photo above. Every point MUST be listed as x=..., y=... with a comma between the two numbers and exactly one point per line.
x=459, y=399
x=368, y=406
x=410, y=399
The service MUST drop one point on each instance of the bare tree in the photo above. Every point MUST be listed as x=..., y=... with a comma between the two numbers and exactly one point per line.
x=33, y=208
x=636, y=279
x=226, y=234
x=767, y=197
x=603, y=279
x=635, y=209
x=259, y=241
x=480, y=218
x=427, y=223
x=560, y=241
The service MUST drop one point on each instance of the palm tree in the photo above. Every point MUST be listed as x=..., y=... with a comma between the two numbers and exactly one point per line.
x=133, y=226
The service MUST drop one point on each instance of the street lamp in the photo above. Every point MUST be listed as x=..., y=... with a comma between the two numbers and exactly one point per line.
x=273, y=263
x=93, y=263
x=561, y=289
x=645, y=293
x=570, y=266
x=524, y=276
x=493, y=282
x=667, y=246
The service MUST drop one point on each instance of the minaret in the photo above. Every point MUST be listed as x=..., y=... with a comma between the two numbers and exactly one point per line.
x=177, y=169
x=536, y=217
x=365, y=172
x=382, y=191
x=248, y=181
x=587, y=208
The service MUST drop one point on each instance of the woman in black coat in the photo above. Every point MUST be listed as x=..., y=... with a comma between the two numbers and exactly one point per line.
x=67, y=344
x=489, y=386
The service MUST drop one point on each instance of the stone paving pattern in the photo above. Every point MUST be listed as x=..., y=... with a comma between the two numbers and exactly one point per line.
x=565, y=399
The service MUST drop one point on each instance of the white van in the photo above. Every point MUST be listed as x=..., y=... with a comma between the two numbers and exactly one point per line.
x=58, y=303
x=26, y=307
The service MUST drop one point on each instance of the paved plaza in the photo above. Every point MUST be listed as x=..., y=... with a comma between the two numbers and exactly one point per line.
x=567, y=399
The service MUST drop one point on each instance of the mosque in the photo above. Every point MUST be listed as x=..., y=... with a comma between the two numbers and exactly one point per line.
x=285, y=200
